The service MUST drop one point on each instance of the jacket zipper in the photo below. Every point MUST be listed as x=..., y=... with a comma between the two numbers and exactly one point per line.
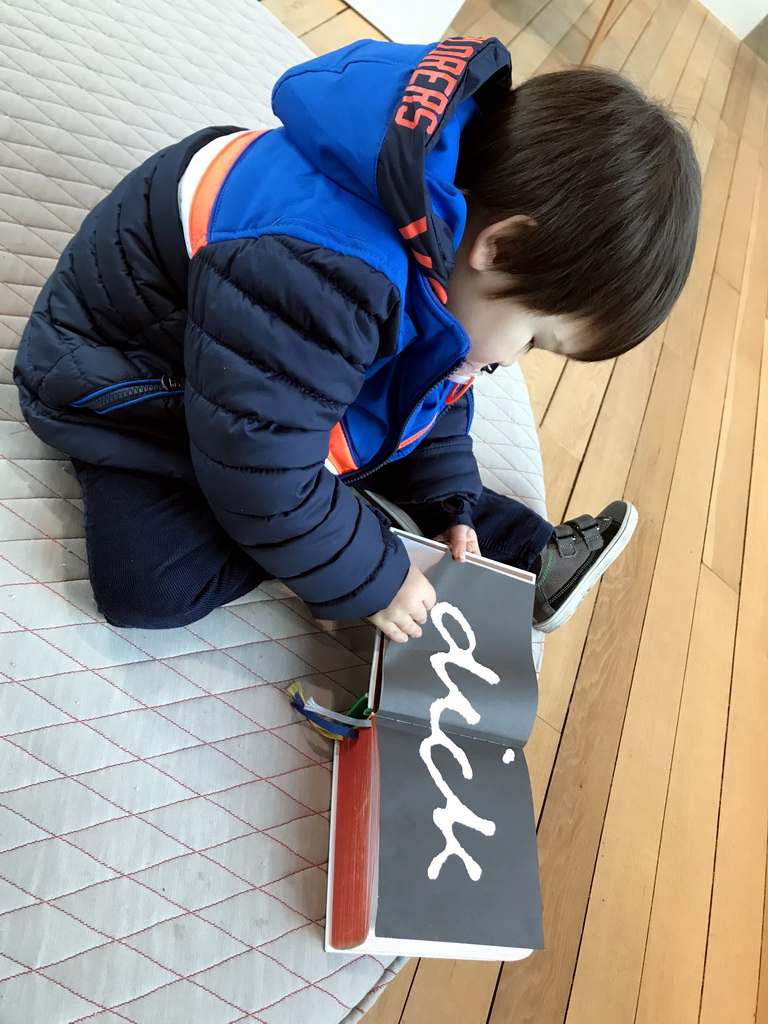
x=110, y=398
x=354, y=477
x=117, y=395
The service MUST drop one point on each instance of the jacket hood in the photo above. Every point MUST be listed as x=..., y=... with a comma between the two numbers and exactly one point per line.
x=383, y=121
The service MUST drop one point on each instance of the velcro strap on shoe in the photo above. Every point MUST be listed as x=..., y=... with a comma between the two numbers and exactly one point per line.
x=564, y=538
x=588, y=528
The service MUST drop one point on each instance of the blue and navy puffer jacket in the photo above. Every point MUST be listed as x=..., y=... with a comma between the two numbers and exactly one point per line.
x=299, y=340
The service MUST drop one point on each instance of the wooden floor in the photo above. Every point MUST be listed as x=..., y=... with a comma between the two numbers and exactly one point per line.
x=650, y=753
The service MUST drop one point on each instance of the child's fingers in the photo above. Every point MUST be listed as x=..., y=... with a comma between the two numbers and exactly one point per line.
x=463, y=540
x=459, y=548
x=396, y=634
x=408, y=624
x=402, y=629
x=473, y=546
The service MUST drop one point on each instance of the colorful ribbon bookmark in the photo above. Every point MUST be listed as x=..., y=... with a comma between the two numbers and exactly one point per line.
x=331, y=724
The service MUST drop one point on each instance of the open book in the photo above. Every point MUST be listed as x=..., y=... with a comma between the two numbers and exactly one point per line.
x=433, y=836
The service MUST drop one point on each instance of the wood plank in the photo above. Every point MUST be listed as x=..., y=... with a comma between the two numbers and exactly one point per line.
x=655, y=456
x=611, y=14
x=528, y=50
x=559, y=37
x=694, y=76
x=524, y=10
x=587, y=13
x=571, y=415
x=557, y=59
x=738, y=215
x=724, y=543
x=733, y=955
x=754, y=118
x=575, y=42
x=617, y=45
x=647, y=52
x=467, y=14
x=560, y=470
x=452, y=992
x=715, y=90
x=540, y=753
x=602, y=478
x=542, y=371
x=503, y=22
x=388, y=1008
x=346, y=27
x=562, y=657
x=730, y=48
x=613, y=942
x=668, y=71
x=301, y=16
x=555, y=20
x=715, y=191
x=703, y=142
x=713, y=97
x=677, y=938
x=604, y=469
x=737, y=97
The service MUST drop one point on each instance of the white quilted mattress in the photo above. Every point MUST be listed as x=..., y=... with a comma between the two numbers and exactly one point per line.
x=163, y=815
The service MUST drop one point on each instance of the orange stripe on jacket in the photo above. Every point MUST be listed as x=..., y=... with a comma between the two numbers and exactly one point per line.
x=416, y=227
x=417, y=435
x=453, y=396
x=209, y=186
x=458, y=390
x=339, y=454
x=438, y=289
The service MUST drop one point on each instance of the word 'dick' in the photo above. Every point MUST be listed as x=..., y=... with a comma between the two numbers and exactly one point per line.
x=454, y=812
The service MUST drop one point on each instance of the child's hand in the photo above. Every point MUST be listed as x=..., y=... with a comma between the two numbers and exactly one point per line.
x=408, y=609
x=462, y=541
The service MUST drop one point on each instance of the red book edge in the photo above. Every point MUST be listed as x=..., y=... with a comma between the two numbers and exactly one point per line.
x=355, y=839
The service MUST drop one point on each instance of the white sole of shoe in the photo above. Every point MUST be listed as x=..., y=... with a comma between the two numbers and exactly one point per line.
x=593, y=574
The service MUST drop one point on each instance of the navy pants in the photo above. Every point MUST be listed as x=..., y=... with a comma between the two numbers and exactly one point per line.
x=158, y=557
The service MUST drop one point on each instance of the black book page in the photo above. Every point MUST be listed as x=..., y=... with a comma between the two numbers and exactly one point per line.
x=472, y=668
x=457, y=856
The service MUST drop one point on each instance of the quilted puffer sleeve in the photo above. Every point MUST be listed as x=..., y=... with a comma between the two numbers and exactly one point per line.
x=279, y=336
x=439, y=481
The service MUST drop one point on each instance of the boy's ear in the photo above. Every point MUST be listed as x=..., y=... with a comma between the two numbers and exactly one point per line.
x=483, y=251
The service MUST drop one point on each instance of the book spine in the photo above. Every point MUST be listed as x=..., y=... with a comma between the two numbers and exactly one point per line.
x=355, y=843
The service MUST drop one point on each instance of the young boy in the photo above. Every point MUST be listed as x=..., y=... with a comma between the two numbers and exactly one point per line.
x=254, y=323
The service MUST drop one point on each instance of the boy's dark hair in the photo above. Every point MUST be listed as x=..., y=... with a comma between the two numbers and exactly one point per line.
x=613, y=184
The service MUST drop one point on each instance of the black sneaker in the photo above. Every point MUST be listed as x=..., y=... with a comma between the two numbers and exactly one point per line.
x=574, y=560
